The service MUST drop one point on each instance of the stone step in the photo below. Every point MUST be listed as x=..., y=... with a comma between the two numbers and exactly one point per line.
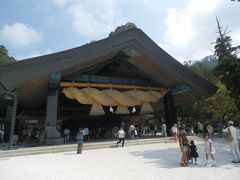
x=87, y=146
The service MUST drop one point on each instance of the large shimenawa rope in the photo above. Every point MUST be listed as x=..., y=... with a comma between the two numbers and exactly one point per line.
x=96, y=110
x=99, y=96
x=67, y=93
x=142, y=96
x=112, y=97
x=80, y=96
x=122, y=110
x=146, y=108
x=158, y=94
x=122, y=98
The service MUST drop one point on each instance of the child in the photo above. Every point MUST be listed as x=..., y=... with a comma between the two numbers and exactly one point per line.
x=193, y=152
x=209, y=149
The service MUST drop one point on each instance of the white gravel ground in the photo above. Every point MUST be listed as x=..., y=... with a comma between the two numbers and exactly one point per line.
x=142, y=162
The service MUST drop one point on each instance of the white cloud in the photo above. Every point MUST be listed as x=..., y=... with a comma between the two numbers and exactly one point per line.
x=60, y=3
x=92, y=18
x=179, y=28
x=19, y=35
x=190, y=31
x=96, y=17
x=203, y=6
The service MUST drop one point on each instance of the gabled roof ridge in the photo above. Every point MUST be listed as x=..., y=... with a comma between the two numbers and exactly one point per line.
x=93, y=53
x=68, y=51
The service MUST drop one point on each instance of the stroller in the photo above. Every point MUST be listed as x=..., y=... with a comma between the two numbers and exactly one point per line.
x=188, y=153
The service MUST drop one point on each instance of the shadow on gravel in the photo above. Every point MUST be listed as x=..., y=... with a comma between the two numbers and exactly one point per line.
x=164, y=158
x=170, y=157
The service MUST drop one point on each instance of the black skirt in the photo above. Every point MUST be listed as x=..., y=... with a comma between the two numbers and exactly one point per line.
x=193, y=152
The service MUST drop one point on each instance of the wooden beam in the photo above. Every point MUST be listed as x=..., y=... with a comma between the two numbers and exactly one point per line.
x=115, y=86
x=99, y=79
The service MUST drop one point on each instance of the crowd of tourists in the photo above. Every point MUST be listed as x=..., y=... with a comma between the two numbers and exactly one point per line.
x=29, y=136
x=132, y=132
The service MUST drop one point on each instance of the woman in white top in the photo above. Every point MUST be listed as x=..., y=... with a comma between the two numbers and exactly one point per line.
x=174, y=132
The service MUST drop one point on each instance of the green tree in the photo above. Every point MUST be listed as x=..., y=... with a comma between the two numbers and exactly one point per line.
x=222, y=105
x=199, y=109
x=203, y=110
x=228, y=68
x=4, y=57
x=185, y=111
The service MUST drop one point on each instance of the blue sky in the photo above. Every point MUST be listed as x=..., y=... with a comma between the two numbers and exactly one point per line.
x=184, y=28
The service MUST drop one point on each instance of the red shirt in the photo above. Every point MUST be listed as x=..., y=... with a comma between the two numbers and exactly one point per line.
x=182, y=138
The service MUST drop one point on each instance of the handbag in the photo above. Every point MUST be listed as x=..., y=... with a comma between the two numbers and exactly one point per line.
x=228, y=136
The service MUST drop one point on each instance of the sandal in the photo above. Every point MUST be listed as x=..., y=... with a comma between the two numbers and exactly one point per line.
x=182, y=164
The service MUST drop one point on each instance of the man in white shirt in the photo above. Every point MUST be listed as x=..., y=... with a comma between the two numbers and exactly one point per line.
x=200, y=128
x=234, y=144
x=238, y=135
x=121, y=136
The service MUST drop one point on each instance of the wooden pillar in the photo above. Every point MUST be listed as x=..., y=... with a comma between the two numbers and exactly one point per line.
x=12, y=101
x=170, y=113
x=13, y=119
x=52, y=135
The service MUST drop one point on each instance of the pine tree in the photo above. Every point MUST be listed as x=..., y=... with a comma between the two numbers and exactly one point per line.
x=228, y=68
x=223, y=46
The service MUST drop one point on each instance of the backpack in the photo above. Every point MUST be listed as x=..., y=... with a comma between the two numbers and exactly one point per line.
x=228, y=136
